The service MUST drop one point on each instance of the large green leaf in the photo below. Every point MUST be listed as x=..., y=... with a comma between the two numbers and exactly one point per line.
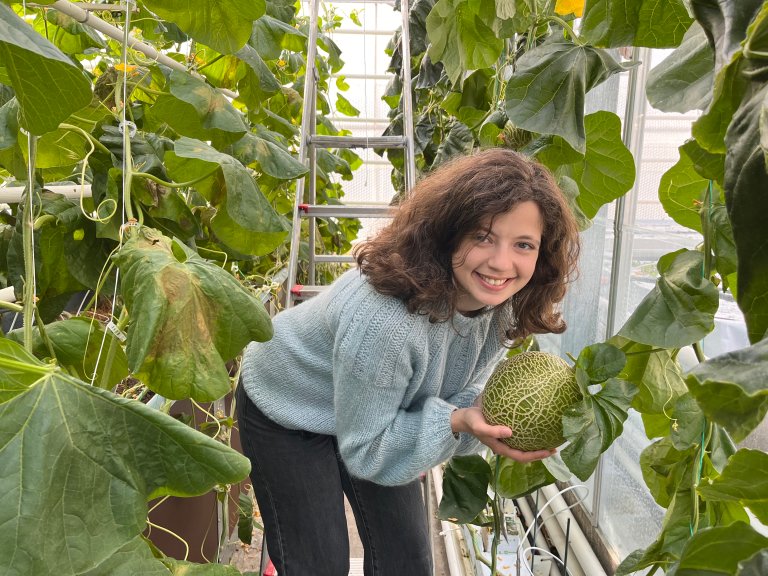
x=547, y=90
x=188, y=317
x=746, y=179
x=744, y=480
x=517, y=479
x=224, y=25
x=679, y=310
x=755, y=565
x=273, y=158
x=607, y=170
x=459, y=141
x=465, y=488
x=77, y=467
x=683, y=80
x=270, y=36
x=651, y=23
x=675, y=532
x=732, y=389
x=681, y=192
x=19, y=369
x=258, y=83
x=664, y=467
x=593, y=424
x=718, y=551
x=245, y=220
x=461, y=36
x=69, y=35
x=197, y=110
x=49, y=87
x=83, y=347
x=725, y=24
x=655, y=372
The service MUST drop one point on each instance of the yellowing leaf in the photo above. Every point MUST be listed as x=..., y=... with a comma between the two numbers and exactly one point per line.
x=565, y=7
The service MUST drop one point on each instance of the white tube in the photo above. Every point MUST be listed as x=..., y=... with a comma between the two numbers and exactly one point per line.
x=85, y=17
x=579, y=547
x=12, y=194
x=539, y=541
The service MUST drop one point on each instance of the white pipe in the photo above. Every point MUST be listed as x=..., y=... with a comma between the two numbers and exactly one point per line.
x=12, y=194
x=457, y=562
x=539, y=540
x=580, y=549
x=85, y=17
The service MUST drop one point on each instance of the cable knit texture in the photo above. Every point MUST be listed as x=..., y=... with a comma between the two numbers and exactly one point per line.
x=356, y=364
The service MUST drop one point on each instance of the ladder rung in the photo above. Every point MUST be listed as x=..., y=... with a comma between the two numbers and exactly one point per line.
x=321, y=141
x=333, y=258
x=345, y=210
x=300, y=291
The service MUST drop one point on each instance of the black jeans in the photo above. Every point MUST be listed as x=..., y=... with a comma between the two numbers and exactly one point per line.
x=300, y=481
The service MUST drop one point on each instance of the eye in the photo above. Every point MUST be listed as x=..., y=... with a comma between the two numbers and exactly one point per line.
x=526, y=246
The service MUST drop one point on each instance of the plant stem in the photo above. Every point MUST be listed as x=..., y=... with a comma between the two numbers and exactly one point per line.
x=28, y=242
x=87, y=135
x=44, y=334
x=187, y=184
x=11, y=306
x=567, y=27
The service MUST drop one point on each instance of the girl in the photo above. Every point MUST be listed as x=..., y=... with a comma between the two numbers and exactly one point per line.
x=373, y=382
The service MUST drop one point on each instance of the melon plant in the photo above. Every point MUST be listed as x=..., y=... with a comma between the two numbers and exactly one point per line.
x=529, y=393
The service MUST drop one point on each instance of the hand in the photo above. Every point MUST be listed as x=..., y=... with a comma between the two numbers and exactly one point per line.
x=472, y=421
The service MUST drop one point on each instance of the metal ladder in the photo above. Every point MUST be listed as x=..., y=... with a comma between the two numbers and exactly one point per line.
x=311, y=141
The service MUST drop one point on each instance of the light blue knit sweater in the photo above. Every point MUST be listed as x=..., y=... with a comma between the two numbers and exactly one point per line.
x=356, y=364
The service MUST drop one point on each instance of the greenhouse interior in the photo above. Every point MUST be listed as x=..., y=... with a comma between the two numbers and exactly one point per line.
x=242, y=240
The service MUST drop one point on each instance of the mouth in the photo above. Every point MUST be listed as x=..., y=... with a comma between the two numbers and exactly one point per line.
x=493, y=282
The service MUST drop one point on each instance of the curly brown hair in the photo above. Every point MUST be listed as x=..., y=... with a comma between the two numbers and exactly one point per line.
x=412, y=257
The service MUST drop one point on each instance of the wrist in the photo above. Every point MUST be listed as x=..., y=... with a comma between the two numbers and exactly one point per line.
x=455, y=422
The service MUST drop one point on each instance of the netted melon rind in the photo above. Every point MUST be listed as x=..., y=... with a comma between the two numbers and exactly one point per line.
x=529, y=393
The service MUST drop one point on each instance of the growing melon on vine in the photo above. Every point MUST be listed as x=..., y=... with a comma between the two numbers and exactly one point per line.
x=529, y=393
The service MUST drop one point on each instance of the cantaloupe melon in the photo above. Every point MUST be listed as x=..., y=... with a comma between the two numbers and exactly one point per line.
x=529, y=393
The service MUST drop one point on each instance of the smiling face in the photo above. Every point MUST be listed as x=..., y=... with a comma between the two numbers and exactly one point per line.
x=497, y=261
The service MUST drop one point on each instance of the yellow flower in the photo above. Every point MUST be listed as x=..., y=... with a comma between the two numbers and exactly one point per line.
x=130, y=69
x=565, y=7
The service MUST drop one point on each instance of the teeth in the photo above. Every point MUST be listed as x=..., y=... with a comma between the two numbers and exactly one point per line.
x=492, y=281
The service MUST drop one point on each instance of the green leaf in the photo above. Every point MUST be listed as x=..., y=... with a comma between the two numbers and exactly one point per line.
x=716, y=551
x=69, y=35
x=273, y=158
x=82, y=463
x=681, y=191
x=245, y=220
x=517, y=479
x=664, y=468
x=744, y=480
x=675, y=532
x=345, y=107
x=224, y=25
x=258, y=83
x=470, y=105
x=683, y=80
x=601, y=362
x=459, y=141
x=197, y=110
x=688, y=423
x=746, y=177
x=657, y=375
x=731, y=389
x=270, y=36
x=707, y=165
x=593, y=424
x=82, y=346
x=547, y=90
x=18, y=369
x=245, y=516
x=31, y=63
x=651, y=23
x=461, y=36
x=465, y=489
x=188, y=316
x=679, y=310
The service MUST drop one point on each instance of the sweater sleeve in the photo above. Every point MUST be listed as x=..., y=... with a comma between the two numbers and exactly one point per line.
x=378, y=351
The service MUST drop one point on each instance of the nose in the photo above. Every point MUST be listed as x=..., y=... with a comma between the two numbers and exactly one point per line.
x=502, y=258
